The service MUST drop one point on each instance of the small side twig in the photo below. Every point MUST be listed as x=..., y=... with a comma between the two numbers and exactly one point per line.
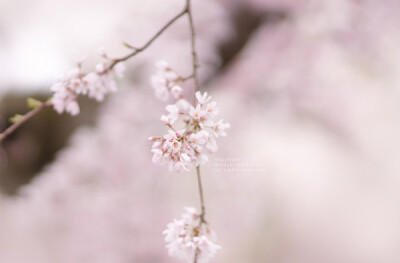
x=24, y=119
x=150, y=41
x=187, y=78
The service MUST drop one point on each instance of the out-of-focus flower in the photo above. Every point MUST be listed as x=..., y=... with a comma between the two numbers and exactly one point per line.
x=94, y=84
x=202, y=99
x=165, y=82
x=220, y=127
x=173, y=113
x=188, y=234
x=66, y=91
x=63, y=100
x=183, y=105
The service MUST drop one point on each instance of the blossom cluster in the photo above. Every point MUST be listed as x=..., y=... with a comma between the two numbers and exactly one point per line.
x=165, y=82
x=93, y=84
x=189, y=145
x=189, y=234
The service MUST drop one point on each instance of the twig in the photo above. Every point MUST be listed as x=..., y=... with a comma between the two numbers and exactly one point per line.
x=186, y=78
x=23, y=119
x=203, y=208
x=195, y=62
x=150, y=41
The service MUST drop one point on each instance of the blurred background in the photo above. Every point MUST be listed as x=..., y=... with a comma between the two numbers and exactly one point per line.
x=308, y=173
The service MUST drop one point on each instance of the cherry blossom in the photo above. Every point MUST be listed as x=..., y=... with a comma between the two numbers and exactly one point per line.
x=95, y=85
x=165, y=82
x=189, y=146
x=202, y=99
x=220, y=127
x=173, y=114
x=186, y=235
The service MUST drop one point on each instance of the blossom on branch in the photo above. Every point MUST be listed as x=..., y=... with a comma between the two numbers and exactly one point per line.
x=165, y=82
x=189, y=146
x=186, y=235
x=93, y=84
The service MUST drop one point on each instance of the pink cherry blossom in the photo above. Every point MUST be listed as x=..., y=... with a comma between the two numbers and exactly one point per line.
x=165, y=82
x=96, y=85
x=173, y=113
x=202, y=99
x=183, y=149
x=220, y=127
x=186, y=235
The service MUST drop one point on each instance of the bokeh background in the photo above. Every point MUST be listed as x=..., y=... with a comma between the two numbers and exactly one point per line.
x=308, y=173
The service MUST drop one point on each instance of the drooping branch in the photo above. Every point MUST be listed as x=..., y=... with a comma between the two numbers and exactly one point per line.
x=34, y=112
x=203, y=208
x=195, y=63
x=195, y=66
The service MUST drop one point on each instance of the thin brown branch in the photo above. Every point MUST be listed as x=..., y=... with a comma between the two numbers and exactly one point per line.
x=150, y=41
x=203, y=208
x=186, y=78
x=194, y=75
x=24, y=119
x=195, y=63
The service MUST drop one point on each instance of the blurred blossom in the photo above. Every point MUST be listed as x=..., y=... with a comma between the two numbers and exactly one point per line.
x=165, y=82
x=95, y=84
x=185, y=235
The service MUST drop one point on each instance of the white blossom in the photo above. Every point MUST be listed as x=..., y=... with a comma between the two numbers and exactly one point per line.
x=186, y=235
x=212, y=145
x=176, y=91
x=198, y=114
x=188, y=147
x=66, y=90
x=96, y=85
x=183, y=105
x=165, y=82
x=165, y=120
x=211, y=109
x=173, y=113
x=220, y=127
x=119, y=70
x=202, y=99
x=162, y=65
x=64, y=100
x=158, y=157
x=102, y=52
x=198, y=139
